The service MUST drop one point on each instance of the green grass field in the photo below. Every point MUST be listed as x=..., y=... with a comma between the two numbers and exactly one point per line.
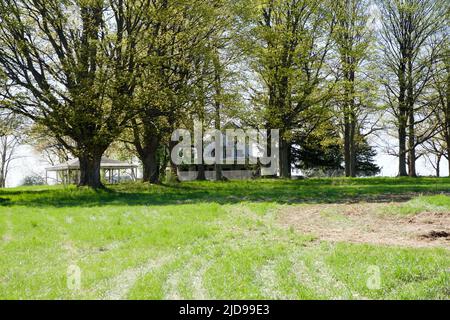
x=211, y=240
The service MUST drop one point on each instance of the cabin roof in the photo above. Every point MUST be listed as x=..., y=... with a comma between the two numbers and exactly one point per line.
x=105, y=163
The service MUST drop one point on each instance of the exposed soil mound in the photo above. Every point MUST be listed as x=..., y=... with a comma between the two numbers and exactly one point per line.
x=437, y=234
x=366, y=223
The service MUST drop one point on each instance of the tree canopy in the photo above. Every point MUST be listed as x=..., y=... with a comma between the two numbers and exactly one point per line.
x=330, y=75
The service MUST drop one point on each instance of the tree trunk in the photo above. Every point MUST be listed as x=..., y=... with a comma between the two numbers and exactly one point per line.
x=218, y=165
x=173, y=167
x=412, y=148
x=150, y=163
x=352, y=120
x=218, y=172
x=447, y=113
x=285, y=158
x=201, y=176
x=402, y=172
x=217, y=106
x=411, y=123
x=147, y=149
x=349, y=121
x=347, y=151
x=353, y=147
x=90, y=170
x=3, y=165
x=448, y=155
x=150, y=168
x=438, y=166
x=2, y=180
x=447, y=128
x=402, y=121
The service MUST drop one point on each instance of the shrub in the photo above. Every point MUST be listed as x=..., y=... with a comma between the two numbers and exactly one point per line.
x=33, y=180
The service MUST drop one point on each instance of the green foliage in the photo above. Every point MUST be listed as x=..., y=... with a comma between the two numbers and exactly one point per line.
x=74, y=67
x=319, y=151
x=365, y=160
x=94, y=75
x=33, y=180
x=287, y=49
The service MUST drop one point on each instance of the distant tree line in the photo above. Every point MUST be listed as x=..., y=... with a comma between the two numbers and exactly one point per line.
x=98, y=76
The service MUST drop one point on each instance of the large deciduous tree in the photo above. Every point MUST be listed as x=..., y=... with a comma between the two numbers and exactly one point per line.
x=182, y=74
x=43, y=141
x=289, y=44
x=408, y=41
x=11, y=132
x=439, y=146
x=353, y=38
x=72, y=66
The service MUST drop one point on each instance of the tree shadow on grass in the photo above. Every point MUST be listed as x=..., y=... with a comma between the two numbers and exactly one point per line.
x=277, y=191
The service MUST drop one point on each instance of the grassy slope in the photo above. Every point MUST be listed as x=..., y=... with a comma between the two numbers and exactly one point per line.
x=205, y=240
x=280, y=191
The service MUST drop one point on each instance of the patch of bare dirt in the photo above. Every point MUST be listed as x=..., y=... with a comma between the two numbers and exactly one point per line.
x=436, y=235
x=365, y=223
